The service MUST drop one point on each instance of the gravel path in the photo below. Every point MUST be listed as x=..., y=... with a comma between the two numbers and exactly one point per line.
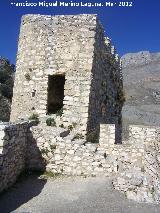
x=68, y=195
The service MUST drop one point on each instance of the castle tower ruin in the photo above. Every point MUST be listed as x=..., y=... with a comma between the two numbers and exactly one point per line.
x=67, y=62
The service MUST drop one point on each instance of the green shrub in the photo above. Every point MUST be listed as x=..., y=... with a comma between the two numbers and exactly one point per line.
x=59, y=112
x=74, y=124
x=27, y=76
x=121, y=97
x=50, y=174
x=34, y=117
x=61, y=125
x=71, y=126
x=78, y=136
x=50, y=122
x=52, y=146
x=44, y=151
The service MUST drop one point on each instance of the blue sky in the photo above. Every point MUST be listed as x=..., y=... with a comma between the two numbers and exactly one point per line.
x=131, y=29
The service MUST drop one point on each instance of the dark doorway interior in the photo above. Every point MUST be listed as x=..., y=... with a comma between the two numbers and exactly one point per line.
x=55, y=93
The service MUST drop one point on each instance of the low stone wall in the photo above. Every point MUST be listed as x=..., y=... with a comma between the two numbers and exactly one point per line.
x=134, y=165
x=70, y=155
x=73, y=155
x=140, y=178
x=12, y=152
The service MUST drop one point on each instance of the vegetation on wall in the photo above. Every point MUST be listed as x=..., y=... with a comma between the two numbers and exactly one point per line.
x=50, y=122
x=27, y=76
x=34, y=117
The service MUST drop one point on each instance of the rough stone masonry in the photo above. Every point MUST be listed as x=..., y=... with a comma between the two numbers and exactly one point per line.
x=69, y=75
x=66, y=62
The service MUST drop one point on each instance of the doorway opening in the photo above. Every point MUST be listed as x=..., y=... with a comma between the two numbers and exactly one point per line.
x=55, y=93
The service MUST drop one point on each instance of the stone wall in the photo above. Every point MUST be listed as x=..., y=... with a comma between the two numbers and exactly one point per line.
x=140, y=180
x=133, y=164
x=69, y=152
x=13, y=140
x=75, y=47
x=72, y=154
x=69, y=155
x=106, y=89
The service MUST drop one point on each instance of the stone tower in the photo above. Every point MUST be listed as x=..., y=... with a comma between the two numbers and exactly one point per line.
x=66, y=62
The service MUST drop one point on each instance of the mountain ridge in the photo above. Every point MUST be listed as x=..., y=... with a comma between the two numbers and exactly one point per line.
x=141, y=75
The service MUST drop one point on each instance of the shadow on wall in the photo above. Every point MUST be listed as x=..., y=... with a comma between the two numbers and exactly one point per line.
x=23, y=155
x=103, y=107
x=118, y=133
x=104, y=103
x=34, y=158
x=125, y=131
x=24, y=190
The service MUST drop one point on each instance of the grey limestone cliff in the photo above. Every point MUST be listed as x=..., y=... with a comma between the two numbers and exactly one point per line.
x=141, y=73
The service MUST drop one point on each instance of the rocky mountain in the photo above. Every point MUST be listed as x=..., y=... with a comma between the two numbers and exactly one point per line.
x=141, y=74
x=6, y=88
